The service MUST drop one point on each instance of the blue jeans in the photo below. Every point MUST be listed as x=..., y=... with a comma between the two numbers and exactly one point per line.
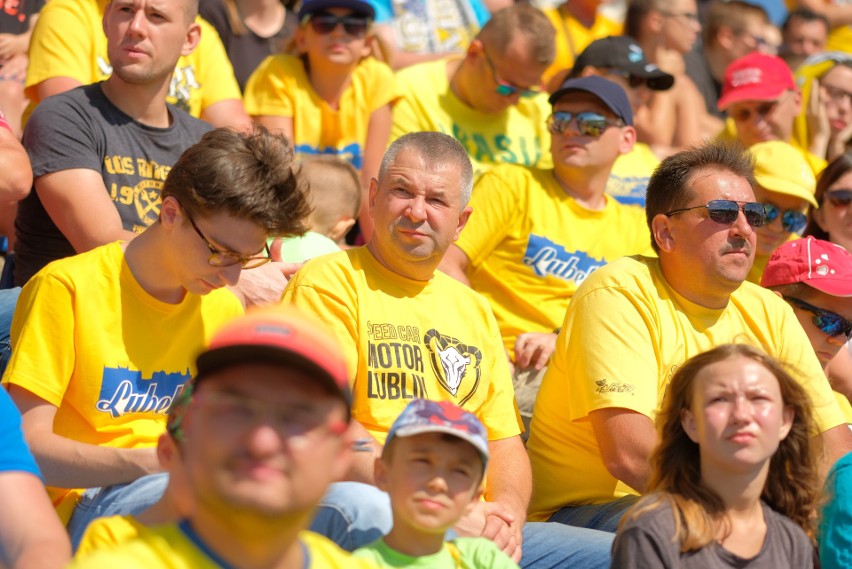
x=8, y=300
x=353, y=514
x=117, y=500
x=603, y=517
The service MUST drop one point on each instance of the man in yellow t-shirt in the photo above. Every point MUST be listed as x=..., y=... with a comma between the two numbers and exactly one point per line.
x=634, y=321
x=409, y=331
x=264, y=434
x=123, y=322
x=490, y=100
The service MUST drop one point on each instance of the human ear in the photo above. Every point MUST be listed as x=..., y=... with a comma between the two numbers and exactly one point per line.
x=787, y=424
x=380, y=474
x=662, y=232
x=687, y=421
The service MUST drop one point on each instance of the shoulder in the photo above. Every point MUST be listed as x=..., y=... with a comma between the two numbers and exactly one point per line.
x=104, y=261
x=792, y=535
x=185, y=122
x=633, y=273
x=327, y=269
x=480, y=553
x=325, y=554
x=374, y=69
x=414, y=74
x=752, y=296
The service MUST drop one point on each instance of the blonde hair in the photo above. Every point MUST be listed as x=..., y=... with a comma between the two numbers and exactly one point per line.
x=335, y=191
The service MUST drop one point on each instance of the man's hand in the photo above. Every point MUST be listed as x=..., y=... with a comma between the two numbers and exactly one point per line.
x=15, y=68
x=534, y=349
x=264, y=284
x=13, y=44
x=495, y=522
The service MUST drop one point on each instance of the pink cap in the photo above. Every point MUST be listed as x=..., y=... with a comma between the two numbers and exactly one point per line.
x=825, y=266
x=755, y=77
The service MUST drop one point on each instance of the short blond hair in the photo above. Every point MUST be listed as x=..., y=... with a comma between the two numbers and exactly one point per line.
x=335, y=191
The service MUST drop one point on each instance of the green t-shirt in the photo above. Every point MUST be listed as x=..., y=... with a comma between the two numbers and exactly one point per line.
x=460, y=553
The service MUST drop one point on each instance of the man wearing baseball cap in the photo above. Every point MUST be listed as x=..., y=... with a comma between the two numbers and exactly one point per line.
x=815, y=278
x=265, y=433
x=538, y=233
x=762, y=101
x=785, y=186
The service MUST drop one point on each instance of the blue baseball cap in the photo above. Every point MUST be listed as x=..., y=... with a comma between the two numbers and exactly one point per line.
x=357, y=6
x=610, y=94
x=425, y=416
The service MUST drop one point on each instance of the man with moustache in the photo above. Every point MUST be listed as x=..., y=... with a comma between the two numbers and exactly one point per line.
x=635, y=320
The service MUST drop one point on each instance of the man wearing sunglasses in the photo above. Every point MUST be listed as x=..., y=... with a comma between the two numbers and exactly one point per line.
x=634, y=321
x=491, y=100
x=105, y=340
x=785, y=185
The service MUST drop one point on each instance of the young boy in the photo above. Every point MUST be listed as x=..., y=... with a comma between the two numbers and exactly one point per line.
x=335, y=195
x=432, y=466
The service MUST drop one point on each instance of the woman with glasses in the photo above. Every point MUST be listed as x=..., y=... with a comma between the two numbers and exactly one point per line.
x=825, y=128
x=735, y=480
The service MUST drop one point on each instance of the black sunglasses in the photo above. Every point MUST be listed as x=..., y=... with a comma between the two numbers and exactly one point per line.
x=828, y=322
x=792, y=220
x=839, y=198
x=726, y=212
x=324, y=23
x=588, y=123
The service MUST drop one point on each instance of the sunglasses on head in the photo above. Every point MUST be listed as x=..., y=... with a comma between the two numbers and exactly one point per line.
x=793, y=221
x=839, y=198
x=325, y=23
x=727, y=211
x=588, y=123
x=828, y=322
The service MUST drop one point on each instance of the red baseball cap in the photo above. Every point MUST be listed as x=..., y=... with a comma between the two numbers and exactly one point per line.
x=280, y=335
x=823, y=265
x=755, y=77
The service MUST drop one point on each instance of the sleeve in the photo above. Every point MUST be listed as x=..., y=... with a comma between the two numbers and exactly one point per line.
x=43, y=351
x=266, y=90
x=217, y=73
x=497, y=206
x=637, y=548
x=61, y=45
x=835, y=544
x=15, y=456
x=405, y=118
x=383, y=83
x=487, y=554
x=598, y=322
x=104, y=533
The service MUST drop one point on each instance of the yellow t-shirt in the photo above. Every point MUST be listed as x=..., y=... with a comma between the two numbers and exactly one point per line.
x=624, y=335
x=280, y=87
x=69, y=41
x=530, y=246
x=106, y=533
x=89, y=340
x=171, y=547
x=628, y=181
x=517, y=135
x=404, y=339
x=572, y=37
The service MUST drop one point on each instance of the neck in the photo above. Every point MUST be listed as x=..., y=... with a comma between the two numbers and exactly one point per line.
x=683, y=284
x=740, y=491
x=717, y=62
x=329, y=81
x=413, y=543
x=417, y=271
x=263, y=17
x=460, y=80
x=586, y=188
x=143, y=103
x=583, y=11
x=144, y=256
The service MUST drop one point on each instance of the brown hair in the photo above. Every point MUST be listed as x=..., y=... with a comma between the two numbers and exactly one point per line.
x=249, y=175
x=792, y=486
x=833, y=172
x=732, y=14
x=525, y=20
x=335, y=191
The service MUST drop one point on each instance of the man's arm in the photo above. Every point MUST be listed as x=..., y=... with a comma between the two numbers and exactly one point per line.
x=66, y=463
x=626, y=439
x=31, y=535
x=367, y=449
x=79, y=204
x=837, y=14
x=227, y=113
x=455, y=263
x=17, y=178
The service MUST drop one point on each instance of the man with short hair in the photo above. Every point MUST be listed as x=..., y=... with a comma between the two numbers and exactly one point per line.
x=264, y=434
x=411, y=331
x=490, y=100
x=804, y=33
x=634, y=321
x=124, y=320
x=538, y=233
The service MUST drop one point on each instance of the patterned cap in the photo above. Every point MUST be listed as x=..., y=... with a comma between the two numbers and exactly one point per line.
x=824, y=266
x=425, y=416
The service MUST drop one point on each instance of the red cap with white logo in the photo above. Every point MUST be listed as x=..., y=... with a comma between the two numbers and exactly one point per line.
x=825, y=266
x=755, y=77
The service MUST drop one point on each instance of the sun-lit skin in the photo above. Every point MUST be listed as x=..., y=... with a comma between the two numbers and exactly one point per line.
x=837, y=220
x=337, y=48
x=825, y=346
x=680, y=31
x=804, y=38
x=772, y=234
x=836, y=97
x=513, y=64
x=777, y=124
x=574, y=150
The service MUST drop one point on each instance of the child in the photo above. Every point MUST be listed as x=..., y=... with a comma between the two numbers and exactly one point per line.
x=335, y=195
x=331, y=98
x=432, y=467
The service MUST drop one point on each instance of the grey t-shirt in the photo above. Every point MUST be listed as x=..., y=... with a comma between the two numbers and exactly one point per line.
x=647, y=543
x=81, y=128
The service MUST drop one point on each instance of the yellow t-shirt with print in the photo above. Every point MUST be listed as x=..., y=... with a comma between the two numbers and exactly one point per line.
x=530, y=246
x=89, y=340
x=517, y=135
x=628, y=181
x=625, y=333
x=106, y=533
x=572, y=37
x=280, y=87
x=404, y=339
x=69, y=41
x=171, y=547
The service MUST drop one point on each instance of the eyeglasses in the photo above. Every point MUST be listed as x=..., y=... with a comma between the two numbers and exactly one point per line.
x=325, y=23
x=219, y=258
x=690, y=16
x=838, y=94
x=793, y=221
x=760, y=42
x=726, y=212
x=632, y=80
x=839, y=198
x=506, y=89
x=588, y=123
x=828, y=322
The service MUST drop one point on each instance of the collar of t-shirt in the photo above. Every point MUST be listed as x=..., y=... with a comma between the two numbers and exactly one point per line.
x=186, y=527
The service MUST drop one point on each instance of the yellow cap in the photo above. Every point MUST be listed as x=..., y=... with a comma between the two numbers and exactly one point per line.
x=780, y=167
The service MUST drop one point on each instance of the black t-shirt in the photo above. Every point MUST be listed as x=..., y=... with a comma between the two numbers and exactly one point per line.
x=15, y=15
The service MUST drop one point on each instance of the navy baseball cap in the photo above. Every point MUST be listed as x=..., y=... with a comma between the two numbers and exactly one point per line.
x=610, y=94
x=624, y=54
x=357, y=6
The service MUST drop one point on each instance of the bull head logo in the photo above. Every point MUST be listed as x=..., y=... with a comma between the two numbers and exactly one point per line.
x=453, y=362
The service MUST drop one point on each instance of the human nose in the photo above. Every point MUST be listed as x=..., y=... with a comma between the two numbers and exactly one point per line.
x=437, y=483
x=417, y=208
x=742, y=409
x=232, y=273
x=838, y=339
x=741, y=225
x=137, y=23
